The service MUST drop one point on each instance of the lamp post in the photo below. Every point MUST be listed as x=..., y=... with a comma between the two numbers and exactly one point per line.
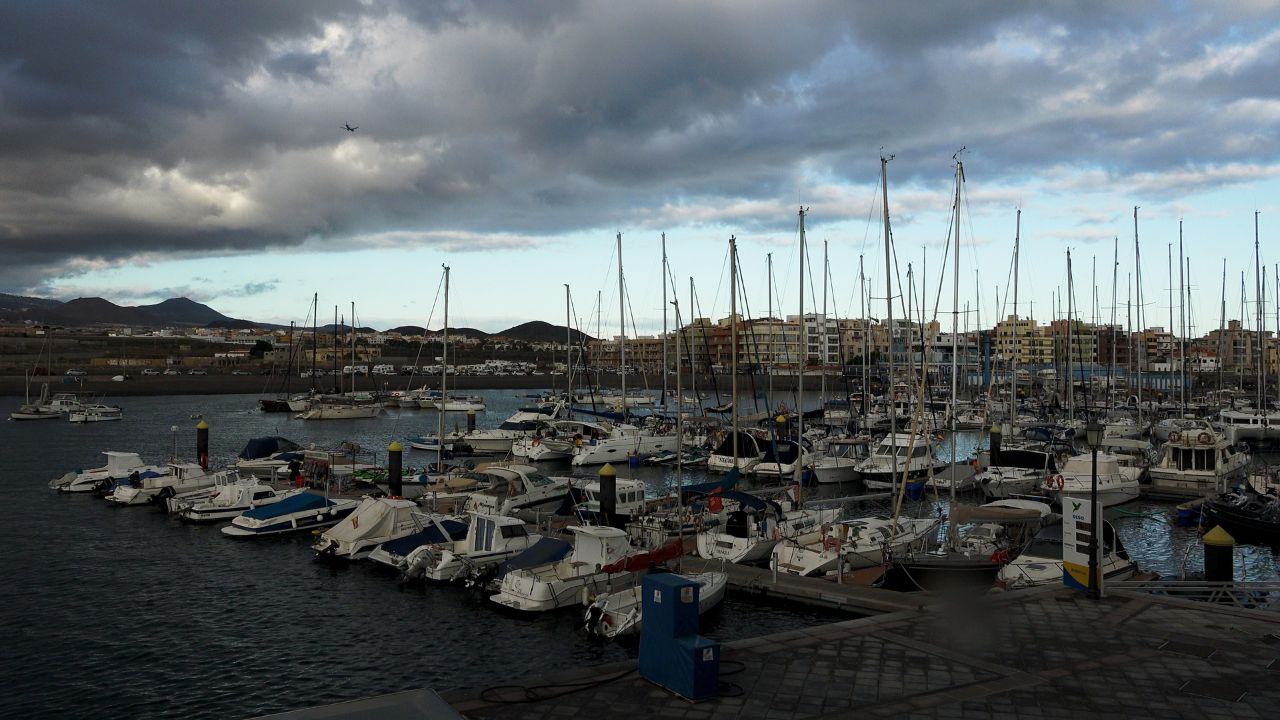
x=1093, y=436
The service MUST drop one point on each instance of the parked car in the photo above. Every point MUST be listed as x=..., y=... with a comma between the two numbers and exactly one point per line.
x=241, y=372
x=75, y=372
x=197, y=371
x=150, y=371
x=172, y=371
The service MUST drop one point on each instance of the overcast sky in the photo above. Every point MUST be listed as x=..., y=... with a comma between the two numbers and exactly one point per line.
x=160, y=149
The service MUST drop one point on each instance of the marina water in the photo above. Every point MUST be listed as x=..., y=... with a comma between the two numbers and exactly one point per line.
x=125, y=613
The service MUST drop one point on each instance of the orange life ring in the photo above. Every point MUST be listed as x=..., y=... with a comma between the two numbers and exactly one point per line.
x=1175, y=436
x=1205, y=438
x=1060, y=481
x=830, y=543
x=536, y=442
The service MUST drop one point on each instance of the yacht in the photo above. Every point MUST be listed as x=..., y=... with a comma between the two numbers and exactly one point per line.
x=858, y=543
x=514, y=489
x=749, y=453
x=374, y=522
x=38, y=410
x=622, y=612
x=488, y=541
x=781, y=458
x=232, y=496
x=303, y=511
x=601, y=555
x=338, y=411
x=1115, y=486
x=1040, y=562
x=437, y=530
x=615, y=443
x=1197, y=462
x=753, y=525
x=264, y=457
x=118, y=468
x=469, y=403
x=1016, y=471
x=629, y=500
x=555, y=440
x=522, y=424
x=96, y=413
x=840, y=462
x=878, y=471
x=1254, y=427
x=181, y=478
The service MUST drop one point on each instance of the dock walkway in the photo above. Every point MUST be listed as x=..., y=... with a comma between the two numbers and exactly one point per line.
x=1044, y=653
x=851, y=596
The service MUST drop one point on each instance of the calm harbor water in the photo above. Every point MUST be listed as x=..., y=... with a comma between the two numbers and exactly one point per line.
x=125, y=613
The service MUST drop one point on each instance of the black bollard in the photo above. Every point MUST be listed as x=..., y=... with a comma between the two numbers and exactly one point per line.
x=202, y=444
x=608, y=494
x=471, y=421
x=395, y=470
x=1219, y=555
x=996, y=435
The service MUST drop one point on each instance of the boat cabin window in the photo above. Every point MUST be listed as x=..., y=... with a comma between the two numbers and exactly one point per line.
x=738, y=524
x=538, y=479
x=263, y=494
x=513, y=531
x=483, y=534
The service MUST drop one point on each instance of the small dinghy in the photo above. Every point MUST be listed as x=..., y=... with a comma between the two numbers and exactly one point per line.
x=620, y=613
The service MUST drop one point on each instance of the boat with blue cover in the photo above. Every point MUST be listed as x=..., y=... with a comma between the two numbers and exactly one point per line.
x=435, y=531
x=303, y=511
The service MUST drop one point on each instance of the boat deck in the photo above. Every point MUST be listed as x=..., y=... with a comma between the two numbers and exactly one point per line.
x=1044, y=653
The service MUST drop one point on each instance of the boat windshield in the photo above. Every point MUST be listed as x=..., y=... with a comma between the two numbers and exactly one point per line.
x=1025, y=459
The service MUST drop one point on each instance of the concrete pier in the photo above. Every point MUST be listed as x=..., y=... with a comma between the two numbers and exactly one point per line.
x=1043, y=653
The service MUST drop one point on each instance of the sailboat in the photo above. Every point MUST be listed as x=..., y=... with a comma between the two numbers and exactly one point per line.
x=351, y=406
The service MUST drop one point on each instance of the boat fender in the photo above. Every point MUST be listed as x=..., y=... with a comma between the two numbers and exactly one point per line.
x=355, y=521
x=1175, y=436
x=1205, y=438
x=1060, y=481
x=777, y=534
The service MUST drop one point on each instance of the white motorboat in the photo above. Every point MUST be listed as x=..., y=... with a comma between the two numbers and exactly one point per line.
x=1115, y=486
x=66, y=402
x=374, y=522
x=232, y=496
x=859, y=543
x=1040, y=562
x=554, y=440
x=840, y=462
x=264, y=457
x=1160, y=431
x=516, y=489
x=754, y=525
x=38, y=410
x=339, y=411
x=96, y=413
x=600, y=555
x=470, y=403
x=1253, y=427
x=1017, y=471
x=181, y=478
x=882, y=471
x=629, y=499
x=622, y=612
x=625, y=442
x=522, y=424
x=120, y=465
x=489, y=540
x=749, y=453
x=1197, y=462
x=303, y=511
x=781, y=458
x=436, y=530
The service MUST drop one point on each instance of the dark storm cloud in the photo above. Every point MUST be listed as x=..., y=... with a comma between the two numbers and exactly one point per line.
x=145, y=129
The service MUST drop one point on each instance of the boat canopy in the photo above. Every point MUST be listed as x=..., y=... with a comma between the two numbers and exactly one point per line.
x=961, y=514
x=120, y=464
x=301, y=502
x=266, y=446
x=546, y=550
x=429, y=535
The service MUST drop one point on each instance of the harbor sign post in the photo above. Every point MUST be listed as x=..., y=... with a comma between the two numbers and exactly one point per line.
x=1077, y=538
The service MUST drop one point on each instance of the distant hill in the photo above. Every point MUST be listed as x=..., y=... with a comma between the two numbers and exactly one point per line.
x=539, y=331
x=13, y=306
x=186, y=312
x=408, y=330
x=96, y=311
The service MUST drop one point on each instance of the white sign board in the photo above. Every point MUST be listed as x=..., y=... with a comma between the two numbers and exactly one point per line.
x=1077, y=533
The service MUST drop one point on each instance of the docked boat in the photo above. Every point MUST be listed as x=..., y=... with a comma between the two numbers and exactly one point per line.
x=753, y=525
x=1017, y=471
x=1248, y=515
x=516, y=489
x=522, y=424
x=120, y=465
x=303, y=511
x=621, y=613
x=38, y=410
x=231, y=496
x=436, y=530
x=96, y=413
x=374, y=522
x=554, y=440
x=487, y=541
x=781, y=458
x=884, y=469
x=181, y=478
x=600, y=555
x=264, y=457
x=1160, y=431
x=840, y=462
x=629, y=500
x=857, y=543
x=1115, y=486
x=1197, y=462
x=1040, y=562
x=616, y=443
x=1254, y=427
x=454, y=403
x=329, y=410
x=749, y=453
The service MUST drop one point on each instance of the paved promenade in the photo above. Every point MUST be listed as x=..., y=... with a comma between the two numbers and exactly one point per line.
x=1049, y=653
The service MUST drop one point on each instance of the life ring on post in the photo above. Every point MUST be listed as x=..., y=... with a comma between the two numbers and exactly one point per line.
x=1059, y=481
x=1205, y=438
x=1175, y=436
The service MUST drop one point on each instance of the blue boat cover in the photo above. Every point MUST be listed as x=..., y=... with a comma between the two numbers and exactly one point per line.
x=544, y=551
x=292, y=504
x=728, y=482
x=266, y=446
x=427, y=536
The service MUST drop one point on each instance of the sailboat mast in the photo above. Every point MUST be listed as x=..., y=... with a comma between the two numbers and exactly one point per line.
x=773, y=328
x=335, y=348
x=1222, y=325
x=622, y=324
x=315, y=320
x=665, y=339
x=1017, y=330
x=803, y=361
x=1142, y=348
x=1182, y=321
x=444, y=375
x=693, y=366
x=955, y=323
x=888, y=299
x=353, y=347
x=822, y=357
x=568, y=350
x=1070, y=384
x=733, y=341
x=866, y=338
x=1115, y=271
x=1257, y=278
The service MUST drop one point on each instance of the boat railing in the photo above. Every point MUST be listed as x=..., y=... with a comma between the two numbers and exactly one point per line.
x=1253, y=595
